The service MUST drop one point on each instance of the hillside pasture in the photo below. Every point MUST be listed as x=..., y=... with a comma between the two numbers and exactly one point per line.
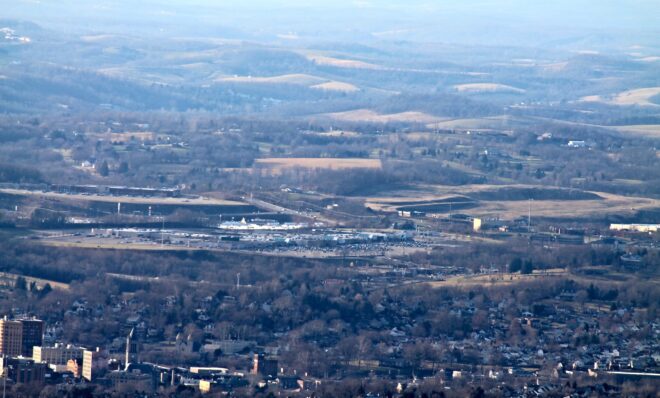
x=639, y=97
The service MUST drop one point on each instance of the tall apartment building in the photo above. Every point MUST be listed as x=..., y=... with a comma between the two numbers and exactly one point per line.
x=95, y=362
x=33, y=335
x=11, y=337
x=263, y=366
x=18, y=337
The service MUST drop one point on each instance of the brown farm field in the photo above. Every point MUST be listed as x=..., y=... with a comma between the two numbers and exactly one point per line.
x=277, y=165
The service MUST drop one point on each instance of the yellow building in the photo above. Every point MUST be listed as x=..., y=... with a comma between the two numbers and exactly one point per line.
x=57, y=356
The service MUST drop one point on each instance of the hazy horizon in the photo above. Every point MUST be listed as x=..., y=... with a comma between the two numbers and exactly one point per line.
x=512, y=22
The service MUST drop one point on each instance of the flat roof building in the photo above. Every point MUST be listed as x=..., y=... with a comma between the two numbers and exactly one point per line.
x=58, y=355
x=18, y=337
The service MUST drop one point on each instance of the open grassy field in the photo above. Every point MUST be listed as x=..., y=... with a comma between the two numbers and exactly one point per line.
x=609, y=278
x=499, y=279
x=369, y=116
x=123, y=199
x=490, y=205
x=612, y=204
x=277, y=165
x=647, y=130
x=115, y=245
x=640, y=96
x=487, y=88
x=499, y=123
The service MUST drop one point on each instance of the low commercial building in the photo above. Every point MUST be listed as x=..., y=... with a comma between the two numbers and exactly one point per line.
x=125, y=381
x=635, y=227
x=23, y=370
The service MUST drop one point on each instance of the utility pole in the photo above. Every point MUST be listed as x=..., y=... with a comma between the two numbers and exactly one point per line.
x=238, y=281
x=529, y=217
